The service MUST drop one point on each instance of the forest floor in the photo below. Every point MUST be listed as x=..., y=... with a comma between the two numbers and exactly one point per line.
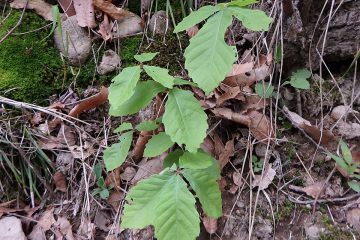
x=54, y=127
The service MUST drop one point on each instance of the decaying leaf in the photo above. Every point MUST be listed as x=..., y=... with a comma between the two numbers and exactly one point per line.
x=325, y=136
x=39, y=6
x=60, y=181
x=231, y=93
x=259, y=124
x=240, y=69
x=45, y=222
x=226, y=153
x=192, y=31
x=139, y=147
x=86, y=229
x=266, y=179
x=315, y=189
x=115, y=198
x=210, y=224
x=148, y=168
x=85, y=13
x=353, y=217
x=237, y=179
x=110, y=9
x=63, y=229
x=105, y=28
x=113, y=179
x=128, y=174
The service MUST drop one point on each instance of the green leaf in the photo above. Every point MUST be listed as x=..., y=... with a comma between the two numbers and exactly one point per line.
x=100, y=182
x=242, y=3
x=173, y=158
x=338, y=160
x=145, y=57
x=184, y=119
x=123, y=127
x=157, y=145
x=198, y=160
x=208, y=58
x=177, y=217
x=354, y=185
x=255, y=20
x=142, y=200
x=204, y=182
x=346, y=153
x=264, y=90
x=181, y=82
x=196, y=17
x=160, y=75
x=298, y=79
x=147, y=126
x=97, y=170
x=104, y=194
x=123, y=86
x=56, y=20
x=278, y=54
x=144, y=93
x=164, y=201
x=115, y=155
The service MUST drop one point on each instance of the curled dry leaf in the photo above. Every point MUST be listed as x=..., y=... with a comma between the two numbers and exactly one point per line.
x=325, y=137
x=139, y=147
x=110, y=9
x=115, y=198
x=85, y=13
x=231, y=93
x=63, y=229
x=148, y=168
x=210, y=224
x=60, y=181
x=105, y=28
x=259, y=124
x=86, y=104
x=226, y=153
x=353, y=217
x=113, y=179
x=192, y=31
x=263, y=181
x=45, y=222
x=39, y=6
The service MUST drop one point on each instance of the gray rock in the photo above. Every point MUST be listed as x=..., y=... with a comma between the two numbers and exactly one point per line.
x=159, y=23
x=10, y=229
x=313, y=231
x=109, y=63
x=74, y=43
x=128, y=27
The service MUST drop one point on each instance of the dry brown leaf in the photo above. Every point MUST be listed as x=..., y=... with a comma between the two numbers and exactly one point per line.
x=139, y=147
x=210, y=224
x=237, y=179
x=226, y=153
x=266, y=179
x=86, y=229
x=85, y=13
x=68, y=7
x=39, y=6
x=105, y=28
x=148, y=168
x=240, y=69
x=192, y=31
x=353, y=217
x=113, y=179
x=315, y=189
x=128, y=174
x=208, y=146
x=64, y=229
x=83, y=152
x=255, y=102
x=110, y=9
x=231, y=93
x=51, y=143
x=219, y=146
x=45, y=222
x=325, y=137
x=60, y=181
x=115, y=198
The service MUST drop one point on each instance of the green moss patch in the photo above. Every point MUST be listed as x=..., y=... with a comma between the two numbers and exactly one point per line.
x=30, y=69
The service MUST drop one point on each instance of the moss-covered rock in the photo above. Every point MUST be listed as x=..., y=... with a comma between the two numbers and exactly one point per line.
x=30, y=69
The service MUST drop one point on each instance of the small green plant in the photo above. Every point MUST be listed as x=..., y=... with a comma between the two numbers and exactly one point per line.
x=299, y=79
x=264, y=90
x=164, y=200
x=256, y=164
x=101, y=189
x=345, y=162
